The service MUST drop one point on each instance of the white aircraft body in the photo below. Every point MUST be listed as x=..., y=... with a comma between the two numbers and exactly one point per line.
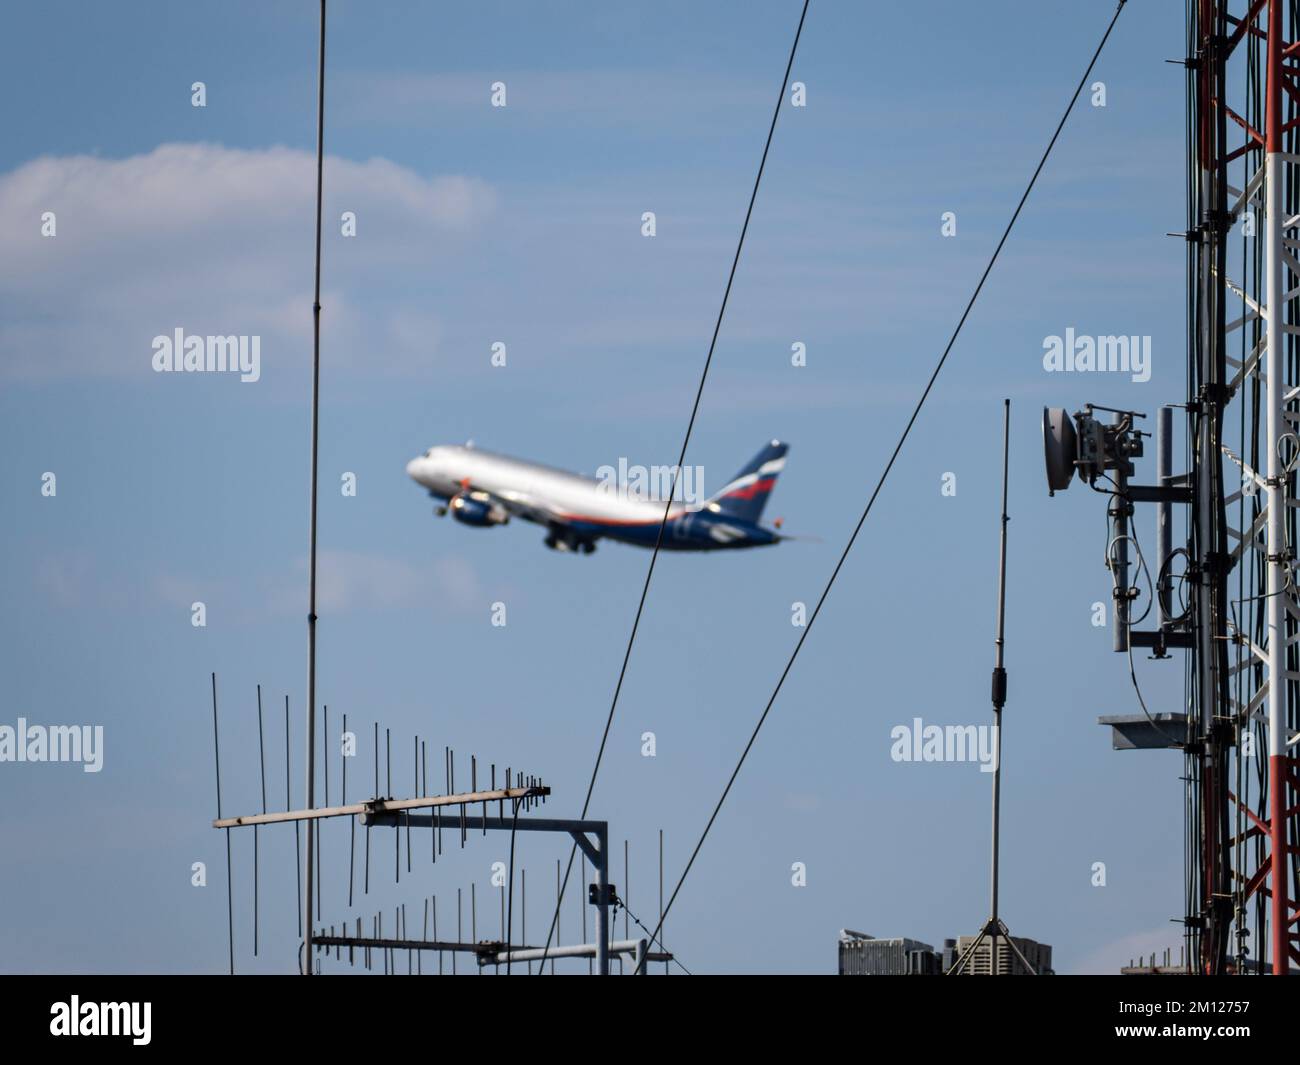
x=483, y=489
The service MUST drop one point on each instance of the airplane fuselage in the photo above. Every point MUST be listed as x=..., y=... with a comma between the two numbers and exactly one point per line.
x=481, y=488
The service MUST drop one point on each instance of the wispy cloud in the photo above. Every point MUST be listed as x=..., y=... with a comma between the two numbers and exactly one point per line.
x=349, y=582
x=359, y=581
x=215, y=240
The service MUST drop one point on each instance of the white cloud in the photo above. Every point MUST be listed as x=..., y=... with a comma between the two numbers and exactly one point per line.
x=218, y=240
x=355, y=581
x=348, y=582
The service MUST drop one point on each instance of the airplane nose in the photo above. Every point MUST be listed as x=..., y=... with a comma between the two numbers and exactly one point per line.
x=413, y=468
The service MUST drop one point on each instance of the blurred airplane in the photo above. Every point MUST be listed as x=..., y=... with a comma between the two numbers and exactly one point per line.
x=482, y=489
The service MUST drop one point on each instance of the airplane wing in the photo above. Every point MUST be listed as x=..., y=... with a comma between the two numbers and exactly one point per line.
x=476, y=506
x=517, y=505
x=525, y=506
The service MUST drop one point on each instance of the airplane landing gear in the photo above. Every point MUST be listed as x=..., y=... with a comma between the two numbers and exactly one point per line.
x=559, y=541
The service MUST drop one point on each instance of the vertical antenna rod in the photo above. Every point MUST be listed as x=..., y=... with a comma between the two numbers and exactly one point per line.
x=288, y=805
x=230, y=890
x=315, y=433
x=261, y=758
x=999, y=689
x=352, y=845
x=994, y=929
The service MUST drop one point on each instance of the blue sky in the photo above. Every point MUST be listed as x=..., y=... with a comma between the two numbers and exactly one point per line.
x=522, y=225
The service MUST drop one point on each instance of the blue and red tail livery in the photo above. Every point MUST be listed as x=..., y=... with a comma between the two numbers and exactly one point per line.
x=746, y=494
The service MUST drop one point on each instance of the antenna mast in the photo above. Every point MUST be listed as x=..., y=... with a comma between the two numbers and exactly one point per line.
x=994, y=930
x=315, y=431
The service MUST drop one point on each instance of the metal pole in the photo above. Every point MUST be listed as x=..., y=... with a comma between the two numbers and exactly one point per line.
x=602, y=902
x=661, y=897
x=1274, y=178
x=999, y=689
x=1164, y=510
x=315, y=434
x=531, y=954
x=1117, y=551
x=1218, y=736
x=230, y=888
x=1206, y=453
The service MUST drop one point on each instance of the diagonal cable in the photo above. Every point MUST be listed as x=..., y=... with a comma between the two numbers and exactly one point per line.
x=654, y=939
x=690, y=426
x=890, y=464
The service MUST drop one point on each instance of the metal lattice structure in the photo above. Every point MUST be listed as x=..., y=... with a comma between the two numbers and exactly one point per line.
x=1243, y=604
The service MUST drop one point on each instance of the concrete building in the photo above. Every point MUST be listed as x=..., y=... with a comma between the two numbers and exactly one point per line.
x=1039, y=956
x=864, y=955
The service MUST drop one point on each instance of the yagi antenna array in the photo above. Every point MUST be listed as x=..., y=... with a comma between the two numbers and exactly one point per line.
x=488, y=805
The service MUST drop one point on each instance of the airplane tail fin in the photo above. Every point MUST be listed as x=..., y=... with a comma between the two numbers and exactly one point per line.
x=746, y=494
